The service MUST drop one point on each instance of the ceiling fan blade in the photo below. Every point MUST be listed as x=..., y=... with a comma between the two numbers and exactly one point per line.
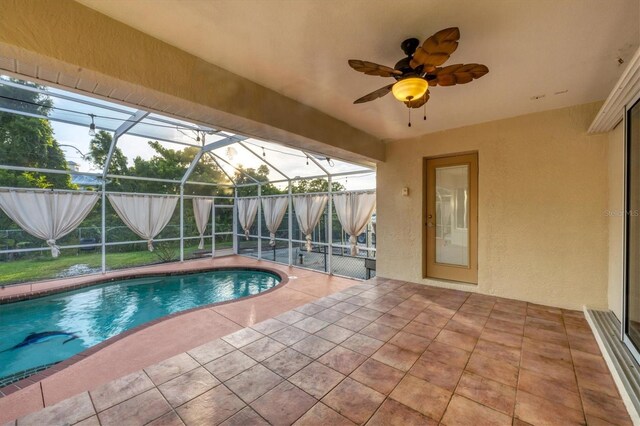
x=371, y=68
x=436, y=49
x=457, y=74
x=419, y=102
x=374, y=95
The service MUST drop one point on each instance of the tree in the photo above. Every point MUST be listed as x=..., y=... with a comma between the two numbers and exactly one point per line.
x=29, y=141
x=315, y=185
x=261, y=174
x=99, y=149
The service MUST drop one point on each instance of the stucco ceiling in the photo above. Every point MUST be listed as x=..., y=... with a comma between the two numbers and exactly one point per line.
x=563, y=50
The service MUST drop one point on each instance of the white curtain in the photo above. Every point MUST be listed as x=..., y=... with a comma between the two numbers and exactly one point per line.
x=47, y=215
x=274, y=209
x=309, y=209
x=202, y=211
x=354, y=212
x=146, y=215
x=247, y=209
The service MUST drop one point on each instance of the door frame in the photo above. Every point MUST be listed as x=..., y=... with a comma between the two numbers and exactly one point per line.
x=624, y=335
x=450, y=272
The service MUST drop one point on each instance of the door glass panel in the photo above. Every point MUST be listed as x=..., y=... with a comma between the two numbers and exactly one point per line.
x=452, y=215
x=633, y=225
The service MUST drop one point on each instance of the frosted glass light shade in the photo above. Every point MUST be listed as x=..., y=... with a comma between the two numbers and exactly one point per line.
x=410, y=88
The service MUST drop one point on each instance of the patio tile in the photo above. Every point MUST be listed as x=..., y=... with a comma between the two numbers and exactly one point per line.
x=493, y=369
x=378, y=331
x=290, y=317
x=410, y=342
x=286, y=362
x=458, y=340
x=462, y=411
x=269, y=326
x=353, y=323
x=501, y=337
x=395, y=357
x=487, y=392
x=592, y=362
x=505, y=326
x=119, y=390
x=601, y=382
x=290, y=335
x=171, y=368
x=138, y=410
x=212, y=407
x=253, y=383
x=245, y=417
x=309, y=309
x=313, y=346
x=391, y=320
x=368, y=314
x=498, y=352
x=169, y=419
x=320, y=414
x=69, y=411
x=441, y=310
x=547, y=349
x=392, y=413
x=335, y=334
x=210, y=351
x=311, y=324
x=330, y=315
x=508, y=317
x=419, y=329
x=406, y=312
x=358, y=300
x=557, y=369
x=342, y=359
x=431, y=318
x=316, y=379
x=340, y=296
x=284, y=404
x=584, y=344
x=545, y=387
x=91, y=421
x=377, y=376
x=362, y=344
x=345, y=307
x=229, y=365
x=446, y=354
x=536, y=410
x=325, y=302
x=546, y=336
x=242, y=337
x=188, y=386
x=354, y=400
x=443, y=375
x=263, y=348
x=603, y=406
x=422, y=396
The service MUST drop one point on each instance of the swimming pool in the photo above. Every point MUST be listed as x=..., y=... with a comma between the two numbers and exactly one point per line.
x=49, y=329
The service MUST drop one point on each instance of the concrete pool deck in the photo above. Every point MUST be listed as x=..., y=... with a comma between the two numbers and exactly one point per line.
x=167, y=338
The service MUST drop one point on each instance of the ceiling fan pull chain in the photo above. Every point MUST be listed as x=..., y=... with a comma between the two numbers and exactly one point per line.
x=425, y=112
x=409, y=116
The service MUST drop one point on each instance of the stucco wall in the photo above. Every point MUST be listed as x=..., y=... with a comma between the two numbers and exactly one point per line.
x=543, y=234
x=616, y=220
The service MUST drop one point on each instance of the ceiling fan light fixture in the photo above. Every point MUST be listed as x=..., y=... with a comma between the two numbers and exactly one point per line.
x=410, y=88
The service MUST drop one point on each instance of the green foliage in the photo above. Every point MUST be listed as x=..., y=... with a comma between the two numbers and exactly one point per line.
x=261, y=174
x=315, y=185
x=99, y=149
x=29, y=142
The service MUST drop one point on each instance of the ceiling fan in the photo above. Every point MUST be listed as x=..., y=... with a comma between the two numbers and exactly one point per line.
x=421, y=69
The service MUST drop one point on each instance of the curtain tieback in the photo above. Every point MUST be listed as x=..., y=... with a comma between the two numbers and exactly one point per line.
x=353, y=240
x=201, y=245
x=150, y=245
x=272, y=239
x=308, y=243
x=55, y=250
x=246, y=234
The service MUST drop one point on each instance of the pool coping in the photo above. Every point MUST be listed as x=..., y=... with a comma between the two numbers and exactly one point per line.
x=41, y=375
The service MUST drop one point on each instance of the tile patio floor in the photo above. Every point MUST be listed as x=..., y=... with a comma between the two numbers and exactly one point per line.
x=382, y=353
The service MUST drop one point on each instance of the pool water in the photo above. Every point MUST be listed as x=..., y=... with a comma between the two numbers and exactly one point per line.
x=70, y=322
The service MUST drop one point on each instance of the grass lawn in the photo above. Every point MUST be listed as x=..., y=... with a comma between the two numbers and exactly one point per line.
x=44, y=267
